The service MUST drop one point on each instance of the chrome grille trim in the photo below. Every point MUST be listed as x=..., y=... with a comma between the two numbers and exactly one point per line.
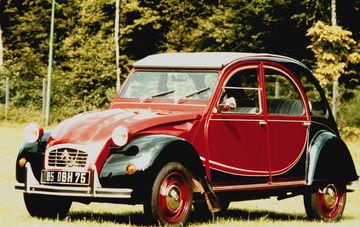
x=66, y=158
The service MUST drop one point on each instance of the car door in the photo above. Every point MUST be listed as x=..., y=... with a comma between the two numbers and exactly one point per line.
x=237, y=136
x=287, y=124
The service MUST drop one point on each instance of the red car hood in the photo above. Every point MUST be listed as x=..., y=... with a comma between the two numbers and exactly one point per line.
x=96, y=127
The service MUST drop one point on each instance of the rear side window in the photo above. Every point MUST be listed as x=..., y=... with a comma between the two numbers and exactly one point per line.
x=317, y=102
x=282, y=96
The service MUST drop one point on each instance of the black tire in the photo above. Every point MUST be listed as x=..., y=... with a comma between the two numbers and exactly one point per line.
x=44, y=206
x=326, y=203
x=171, y=196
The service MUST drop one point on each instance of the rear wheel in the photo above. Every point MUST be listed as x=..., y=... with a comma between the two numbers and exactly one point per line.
x=327, y=203
x=171, y=196
x=45, y=206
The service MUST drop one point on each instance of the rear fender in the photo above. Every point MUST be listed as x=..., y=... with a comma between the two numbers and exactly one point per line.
x=329, y=160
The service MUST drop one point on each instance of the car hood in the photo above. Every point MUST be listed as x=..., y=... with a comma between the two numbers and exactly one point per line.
x=96, y=127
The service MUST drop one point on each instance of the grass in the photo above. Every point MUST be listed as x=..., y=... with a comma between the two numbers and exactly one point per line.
x=269, y=212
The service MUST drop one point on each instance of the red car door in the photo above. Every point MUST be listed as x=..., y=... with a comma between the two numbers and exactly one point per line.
x=287, y=120
x=237, y=136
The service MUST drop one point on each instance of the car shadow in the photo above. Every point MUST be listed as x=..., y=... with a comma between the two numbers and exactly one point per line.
x=249, y=215
x=139, y=219
x=128, y=218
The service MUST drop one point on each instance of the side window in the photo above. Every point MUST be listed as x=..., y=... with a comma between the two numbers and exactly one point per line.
x=241, y=93
x=316, y=101
x=282, y=96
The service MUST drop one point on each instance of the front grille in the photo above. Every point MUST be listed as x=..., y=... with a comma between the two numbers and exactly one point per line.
x=66, y=157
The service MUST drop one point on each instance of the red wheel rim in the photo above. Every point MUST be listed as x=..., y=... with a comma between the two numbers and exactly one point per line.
x=331, y=200
x=173, y=198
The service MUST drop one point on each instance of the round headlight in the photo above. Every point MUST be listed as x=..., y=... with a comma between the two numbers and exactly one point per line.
x=120, y=136
x=33, y=133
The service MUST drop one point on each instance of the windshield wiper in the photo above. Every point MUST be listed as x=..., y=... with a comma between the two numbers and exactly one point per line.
x=192, y=94
x=142, y=99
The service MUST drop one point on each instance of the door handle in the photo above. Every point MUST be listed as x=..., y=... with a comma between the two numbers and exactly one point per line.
x=262, y=123
x=307, y=124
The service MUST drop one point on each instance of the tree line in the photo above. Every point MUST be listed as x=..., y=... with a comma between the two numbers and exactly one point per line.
x=84, y=72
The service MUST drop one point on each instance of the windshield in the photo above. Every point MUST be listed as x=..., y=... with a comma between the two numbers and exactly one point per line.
x=170, y=85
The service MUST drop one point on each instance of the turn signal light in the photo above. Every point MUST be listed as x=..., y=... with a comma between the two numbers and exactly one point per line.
x=22, y=162
x=131, y=169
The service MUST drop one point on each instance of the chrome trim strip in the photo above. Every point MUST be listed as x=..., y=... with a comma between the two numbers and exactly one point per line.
x=291, y=121
x=257, y=120
x=245, y=120
x=234, y=168
x=32, y=186
x=268, y=185
x=267, y=174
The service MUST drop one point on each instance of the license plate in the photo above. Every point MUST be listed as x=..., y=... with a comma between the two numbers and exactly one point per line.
x=64, y=177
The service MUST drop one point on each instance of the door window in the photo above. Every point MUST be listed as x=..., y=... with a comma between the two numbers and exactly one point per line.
x=241, y=94
x=282, y=96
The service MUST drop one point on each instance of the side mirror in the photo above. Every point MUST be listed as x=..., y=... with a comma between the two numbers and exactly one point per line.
x=227, y=105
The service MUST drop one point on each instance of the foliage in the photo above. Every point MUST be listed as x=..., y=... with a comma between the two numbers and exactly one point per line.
x=349, y=117
x=334, y=49
x=84, y=51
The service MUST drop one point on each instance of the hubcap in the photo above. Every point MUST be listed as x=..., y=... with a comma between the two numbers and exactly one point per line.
x=173, y=197
x=331, y=200
x=330, y=196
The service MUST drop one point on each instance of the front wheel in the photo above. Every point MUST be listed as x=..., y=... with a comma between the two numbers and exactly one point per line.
x=45, y=206
x=327, y=203
x=171, y=196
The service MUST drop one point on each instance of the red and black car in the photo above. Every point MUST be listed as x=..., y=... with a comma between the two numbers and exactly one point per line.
x=194, y=131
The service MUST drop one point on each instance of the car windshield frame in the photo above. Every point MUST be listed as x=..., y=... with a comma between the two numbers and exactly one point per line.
x=152, y=85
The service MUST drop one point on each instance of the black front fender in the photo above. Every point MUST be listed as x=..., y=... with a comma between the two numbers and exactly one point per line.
x=142, y=153
x=33, y=153
x=330, y=160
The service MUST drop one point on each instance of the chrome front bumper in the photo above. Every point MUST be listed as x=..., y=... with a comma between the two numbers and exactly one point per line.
x=32, y=186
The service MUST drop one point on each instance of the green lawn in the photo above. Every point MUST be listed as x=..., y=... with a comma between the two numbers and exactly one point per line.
x=251, y=213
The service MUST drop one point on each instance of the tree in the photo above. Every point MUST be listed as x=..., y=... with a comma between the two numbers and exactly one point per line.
x=116, y=39
x=84, y=72
x=1, y=51
x=334, y=50
x=249, y=25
